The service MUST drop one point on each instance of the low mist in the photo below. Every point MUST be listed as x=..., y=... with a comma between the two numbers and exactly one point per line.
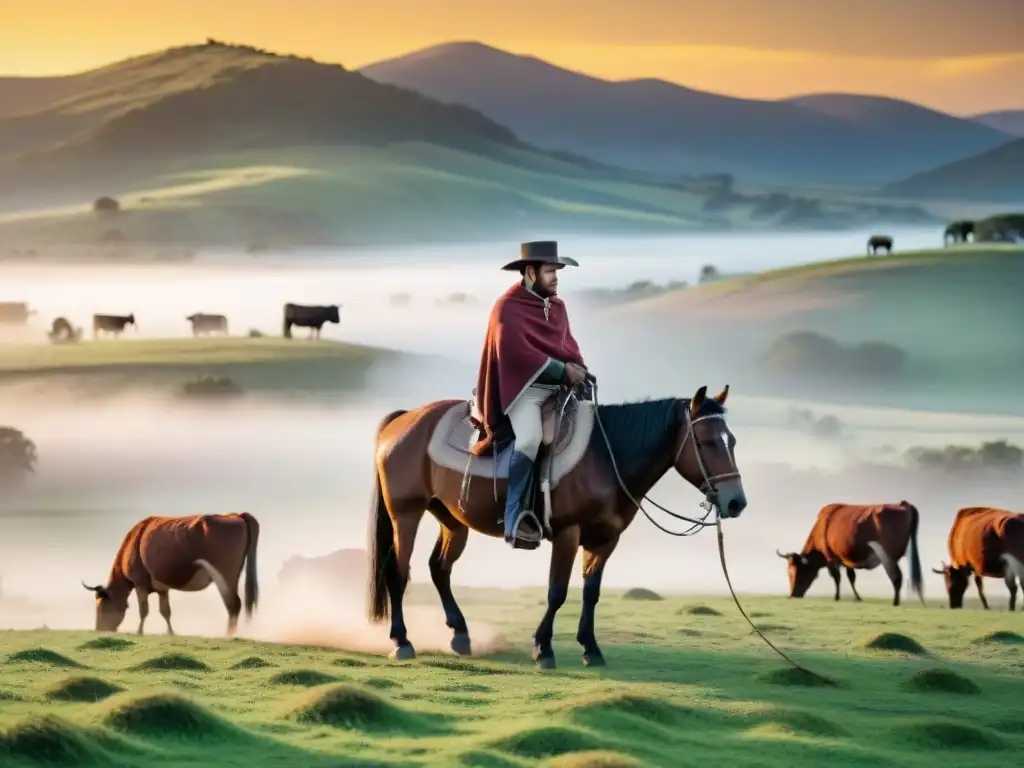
x=304, y=468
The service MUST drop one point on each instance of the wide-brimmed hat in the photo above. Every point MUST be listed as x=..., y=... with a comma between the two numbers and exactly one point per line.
x=540, y=252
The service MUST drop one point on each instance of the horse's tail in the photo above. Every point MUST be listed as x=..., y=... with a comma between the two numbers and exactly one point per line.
x=916, y=578
x=383, y=567
x=252, y=586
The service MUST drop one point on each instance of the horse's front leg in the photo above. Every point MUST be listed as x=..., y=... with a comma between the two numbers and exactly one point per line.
x=563, y=555
x=594, y=560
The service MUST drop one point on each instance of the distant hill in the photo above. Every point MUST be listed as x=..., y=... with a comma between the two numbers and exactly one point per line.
x=993, y=176
x=232, y=145
x=658, y=126
x=1009, y=121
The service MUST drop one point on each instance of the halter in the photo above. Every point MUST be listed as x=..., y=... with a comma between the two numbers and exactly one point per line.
x=707, y=487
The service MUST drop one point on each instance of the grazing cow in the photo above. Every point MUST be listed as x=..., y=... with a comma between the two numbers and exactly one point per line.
x=312, y=317
x=113, y=324
x=15, y=313
x=857, y=536
x=184, y=553
x=203, y=323
x=984, y=541
x=877, y=242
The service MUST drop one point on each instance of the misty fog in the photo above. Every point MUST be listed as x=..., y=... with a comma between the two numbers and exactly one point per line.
x=304, y=469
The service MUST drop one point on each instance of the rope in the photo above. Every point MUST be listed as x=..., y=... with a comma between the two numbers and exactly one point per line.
x=696, y=527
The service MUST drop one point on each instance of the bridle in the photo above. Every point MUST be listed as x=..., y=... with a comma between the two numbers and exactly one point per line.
x=708, y=485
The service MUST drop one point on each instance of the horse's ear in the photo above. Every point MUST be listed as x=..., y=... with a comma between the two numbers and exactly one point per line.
x=698, y=401
x=721, y=396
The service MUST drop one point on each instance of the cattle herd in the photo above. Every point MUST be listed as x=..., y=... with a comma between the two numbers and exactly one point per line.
x=313, y=317
x=188, y=553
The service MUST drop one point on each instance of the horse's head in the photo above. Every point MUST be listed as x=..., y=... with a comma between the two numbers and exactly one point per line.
x=705, y=453
x=956, y=583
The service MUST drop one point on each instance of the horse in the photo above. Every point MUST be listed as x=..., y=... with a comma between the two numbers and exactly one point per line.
x=596, y=475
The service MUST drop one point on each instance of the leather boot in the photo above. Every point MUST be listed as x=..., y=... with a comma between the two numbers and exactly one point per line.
x=520, y=470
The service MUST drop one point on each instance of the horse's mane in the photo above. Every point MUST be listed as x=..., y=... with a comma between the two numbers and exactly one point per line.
x=638, y=430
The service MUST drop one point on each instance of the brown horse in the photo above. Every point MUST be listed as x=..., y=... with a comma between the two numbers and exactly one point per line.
x=596, y=477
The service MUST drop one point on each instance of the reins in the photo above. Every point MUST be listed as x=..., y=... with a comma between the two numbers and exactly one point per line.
x=697, y=525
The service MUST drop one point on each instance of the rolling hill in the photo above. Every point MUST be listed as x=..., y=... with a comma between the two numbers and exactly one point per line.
x=955, y=313
x=1009, y=121
x=230, y=145
x=994, y=176
x=659, y=126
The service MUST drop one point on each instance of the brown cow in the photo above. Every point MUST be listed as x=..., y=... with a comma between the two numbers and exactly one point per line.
x=984, y=541
x=857, y=536
x=184, y=553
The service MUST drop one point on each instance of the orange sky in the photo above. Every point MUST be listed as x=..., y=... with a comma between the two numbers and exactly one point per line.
x=963, y=56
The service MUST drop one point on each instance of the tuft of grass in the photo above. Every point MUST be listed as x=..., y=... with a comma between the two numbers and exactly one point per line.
x=944, y=734
x=42, y=656
x=895, y=642
x=106, y=643
x=352, y=708
x=549, y=741
x=345, y=661
x=640, y=593
x=305, y=677
x=82, y=689
x=178, y=662
x=594, y=758
x=167, y=716
x=50, y=740
x=251, y=662
x=1003, y=637
x=937, y=680
x=698, y=610
x=794, y=676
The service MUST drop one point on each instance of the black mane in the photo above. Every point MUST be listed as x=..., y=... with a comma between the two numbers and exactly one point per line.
x=638, y=431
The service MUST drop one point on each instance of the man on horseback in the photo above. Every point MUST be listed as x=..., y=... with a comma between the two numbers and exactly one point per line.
x=528, y=352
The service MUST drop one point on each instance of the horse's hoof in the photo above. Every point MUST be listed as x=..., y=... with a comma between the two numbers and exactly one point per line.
x=546, y=662
x=403, y=653
x=461, y=645
x=595, y=659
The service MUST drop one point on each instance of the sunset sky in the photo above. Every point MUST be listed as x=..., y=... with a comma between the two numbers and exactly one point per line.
x=962, y=56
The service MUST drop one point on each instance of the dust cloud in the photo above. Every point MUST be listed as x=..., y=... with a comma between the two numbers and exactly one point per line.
x=303, y=467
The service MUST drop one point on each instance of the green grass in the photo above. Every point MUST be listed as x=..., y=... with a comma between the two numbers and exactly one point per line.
x=257, y=364
x=683, y=687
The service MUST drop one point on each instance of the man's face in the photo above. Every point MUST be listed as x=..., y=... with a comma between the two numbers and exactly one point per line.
x=545, y=279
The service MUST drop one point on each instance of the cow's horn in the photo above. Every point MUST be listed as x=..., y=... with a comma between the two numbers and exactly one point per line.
x=784, y=557
x=91, y=589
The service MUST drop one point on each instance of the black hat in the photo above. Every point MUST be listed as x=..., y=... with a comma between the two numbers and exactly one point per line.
x=540, y=252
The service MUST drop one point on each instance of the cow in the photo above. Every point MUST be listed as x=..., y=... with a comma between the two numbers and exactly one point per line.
x=312, y=317
x=15, y=313
x=112, y=324
x=203, y=323
x=878, y=242
x=185, y=553
x=858, y=537
x=984, y=541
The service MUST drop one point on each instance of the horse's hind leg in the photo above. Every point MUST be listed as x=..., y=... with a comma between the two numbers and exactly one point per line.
x=406, y=520
x=594, y=561
x=451, y=543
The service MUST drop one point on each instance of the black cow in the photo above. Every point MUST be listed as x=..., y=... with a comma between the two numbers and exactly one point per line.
x=878, y=242
x=312, y=317
x=203, y=323
x=112, y=324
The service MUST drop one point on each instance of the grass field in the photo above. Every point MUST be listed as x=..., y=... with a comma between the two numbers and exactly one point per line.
x=687, y=684
x=257, y=364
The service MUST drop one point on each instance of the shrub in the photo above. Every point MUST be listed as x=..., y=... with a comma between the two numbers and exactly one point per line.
x=256, y=333
x=17, y=456
x=210, y=387
x=809, y=353
x=997, y=456
x=106, y=206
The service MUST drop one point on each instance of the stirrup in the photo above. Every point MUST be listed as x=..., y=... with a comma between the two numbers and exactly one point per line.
x=521, y=539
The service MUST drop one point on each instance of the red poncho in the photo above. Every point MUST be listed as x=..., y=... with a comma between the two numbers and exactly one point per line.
x=517, y=347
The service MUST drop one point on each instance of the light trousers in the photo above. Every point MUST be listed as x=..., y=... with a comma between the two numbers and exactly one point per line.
x=527, y=420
